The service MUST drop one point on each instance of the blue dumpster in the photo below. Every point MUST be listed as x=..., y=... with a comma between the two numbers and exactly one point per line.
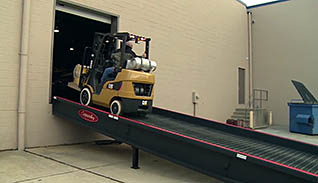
x=303, y=118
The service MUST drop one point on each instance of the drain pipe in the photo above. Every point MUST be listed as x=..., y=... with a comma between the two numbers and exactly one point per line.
x=24, y=49
x=250, y=59
x=250, y=69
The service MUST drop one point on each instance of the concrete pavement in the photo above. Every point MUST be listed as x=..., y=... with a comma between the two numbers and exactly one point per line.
x=91, y=163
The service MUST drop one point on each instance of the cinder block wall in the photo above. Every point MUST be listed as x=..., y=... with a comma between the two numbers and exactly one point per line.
x=42, y=128
x=198, y=45
x=10, y=26
x=285, y=48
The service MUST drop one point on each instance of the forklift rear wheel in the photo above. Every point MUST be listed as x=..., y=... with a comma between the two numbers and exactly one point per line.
x=85, y=96
x=116, y=107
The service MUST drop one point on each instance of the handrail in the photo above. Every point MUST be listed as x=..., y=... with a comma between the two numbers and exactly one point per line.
x=259, y=95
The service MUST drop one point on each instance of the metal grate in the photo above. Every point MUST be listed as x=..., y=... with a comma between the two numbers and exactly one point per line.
x=280, y=154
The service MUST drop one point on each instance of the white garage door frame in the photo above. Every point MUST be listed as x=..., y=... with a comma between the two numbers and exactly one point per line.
x=83, y=13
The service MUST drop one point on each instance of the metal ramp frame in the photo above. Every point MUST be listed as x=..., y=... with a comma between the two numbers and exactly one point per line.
x=223, y=151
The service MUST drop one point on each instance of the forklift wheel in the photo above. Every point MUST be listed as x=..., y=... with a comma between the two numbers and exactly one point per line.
x=116, y=107
x=85, y=96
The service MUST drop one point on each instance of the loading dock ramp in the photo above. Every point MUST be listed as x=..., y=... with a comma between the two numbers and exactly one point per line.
x=229, y=153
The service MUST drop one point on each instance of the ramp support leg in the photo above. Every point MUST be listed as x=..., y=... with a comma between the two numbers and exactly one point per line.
x=135, y=158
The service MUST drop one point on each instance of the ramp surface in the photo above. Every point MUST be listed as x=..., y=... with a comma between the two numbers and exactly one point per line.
x=288, y=156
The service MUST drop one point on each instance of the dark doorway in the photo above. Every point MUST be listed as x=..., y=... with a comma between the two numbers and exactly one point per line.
x=71, y=35
x=241, y=85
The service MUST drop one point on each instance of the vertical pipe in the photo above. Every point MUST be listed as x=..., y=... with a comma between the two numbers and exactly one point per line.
x=270, y=118
x=251, y=125
x=23, y=73
x=250, y=59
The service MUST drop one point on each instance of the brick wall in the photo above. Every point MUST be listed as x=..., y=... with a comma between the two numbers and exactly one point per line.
x=198, y=46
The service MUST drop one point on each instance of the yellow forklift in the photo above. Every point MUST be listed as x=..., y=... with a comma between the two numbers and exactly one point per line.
x=130, y=89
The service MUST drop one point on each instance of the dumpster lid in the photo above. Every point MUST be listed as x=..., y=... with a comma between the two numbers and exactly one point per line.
x=305, y=94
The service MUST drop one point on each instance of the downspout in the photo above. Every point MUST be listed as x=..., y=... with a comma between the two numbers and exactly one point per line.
x=24, y=49
x=250, y=59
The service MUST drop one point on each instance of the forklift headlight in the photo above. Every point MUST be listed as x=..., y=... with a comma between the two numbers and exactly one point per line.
x=142, y=90
x=137, y=90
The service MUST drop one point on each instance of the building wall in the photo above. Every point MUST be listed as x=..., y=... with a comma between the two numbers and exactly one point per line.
x=42, y=128
x=198, y=46
x=285, y=48
x=10, y=21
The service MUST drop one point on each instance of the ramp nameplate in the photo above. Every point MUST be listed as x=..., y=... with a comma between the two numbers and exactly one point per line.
x=88, y=116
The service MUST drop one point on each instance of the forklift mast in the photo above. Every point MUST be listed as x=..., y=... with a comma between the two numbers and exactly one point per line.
x=98, y=57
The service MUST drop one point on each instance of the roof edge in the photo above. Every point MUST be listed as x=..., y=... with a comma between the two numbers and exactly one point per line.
x=265, y=4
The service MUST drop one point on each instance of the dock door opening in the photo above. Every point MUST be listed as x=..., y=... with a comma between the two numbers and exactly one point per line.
x=73, y=30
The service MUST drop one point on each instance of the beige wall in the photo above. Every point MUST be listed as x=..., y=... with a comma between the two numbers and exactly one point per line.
x=285, y=48
x=42, y=128
x=10, y=23
x=198, y=46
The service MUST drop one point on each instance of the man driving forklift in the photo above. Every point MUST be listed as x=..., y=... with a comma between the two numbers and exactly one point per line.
x=110, y=72
x=130, y=89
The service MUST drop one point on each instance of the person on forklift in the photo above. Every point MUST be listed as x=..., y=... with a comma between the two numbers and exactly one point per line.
x=109, y=72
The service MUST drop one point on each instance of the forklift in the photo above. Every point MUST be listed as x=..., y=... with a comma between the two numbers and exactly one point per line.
x=130, y=89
